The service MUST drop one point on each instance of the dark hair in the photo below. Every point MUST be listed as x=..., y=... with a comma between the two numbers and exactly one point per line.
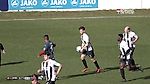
x=82, y=27
x=47, y=37
x=34, y=77
x=129, y=28
x=120, y=35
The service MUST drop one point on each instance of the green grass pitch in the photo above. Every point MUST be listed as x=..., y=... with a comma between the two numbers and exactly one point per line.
x=23, y=40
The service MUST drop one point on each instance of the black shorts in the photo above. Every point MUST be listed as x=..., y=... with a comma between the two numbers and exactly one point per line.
x=50, y=82
x=89, y=53
x=122, y=61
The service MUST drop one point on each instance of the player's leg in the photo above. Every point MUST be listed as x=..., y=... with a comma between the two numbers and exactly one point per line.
x=84, y=62
x=130, y=65
x=132, y=59
x=98, y=69
x=92, y=56
x=133, y=64
x=129, y=60
x=122, y=66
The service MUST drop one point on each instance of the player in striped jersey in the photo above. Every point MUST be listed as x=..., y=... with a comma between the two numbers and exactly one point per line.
x=49, y=70
x=131, y=38
x=87, y=50
x=124, y=55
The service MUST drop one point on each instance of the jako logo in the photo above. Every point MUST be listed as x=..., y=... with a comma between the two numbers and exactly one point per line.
x=74, y=2
x=45, y=3
x=28, y=3
x=58, y=2
x=14, y=3
x=82, y=2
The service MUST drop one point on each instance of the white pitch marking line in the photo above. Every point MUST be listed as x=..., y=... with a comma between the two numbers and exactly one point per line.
x=72, y=18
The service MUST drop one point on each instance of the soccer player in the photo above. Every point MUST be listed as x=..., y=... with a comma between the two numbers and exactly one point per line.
x=48, y=48
x=87, y=50
x=35, y=79
x=124, y=55
x=49, y=70
x=131, y=38
x=1, y=51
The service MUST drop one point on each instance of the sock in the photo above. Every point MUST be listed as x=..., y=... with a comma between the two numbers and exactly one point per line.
x=96, y=64
x=84, y=63
x=130, y=65
x=122, y=73
x=133, y=62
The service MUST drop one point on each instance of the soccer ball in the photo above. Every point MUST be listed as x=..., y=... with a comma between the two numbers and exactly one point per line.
x=78, y=48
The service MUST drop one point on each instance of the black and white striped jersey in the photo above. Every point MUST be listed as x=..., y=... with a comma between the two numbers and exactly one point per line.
x=129, y=37
x=84, y=40
x=48, y=67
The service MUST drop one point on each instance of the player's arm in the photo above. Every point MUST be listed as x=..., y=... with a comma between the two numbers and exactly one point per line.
x=135, y=38
x=41, y=69
x=59, y=67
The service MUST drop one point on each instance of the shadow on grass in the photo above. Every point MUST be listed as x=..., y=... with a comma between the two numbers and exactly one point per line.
x=111, y=68
x=144, y=77
x=146, y=68
x=13, y=63
x=77, y=75
x=105, y=70
x=88, y=73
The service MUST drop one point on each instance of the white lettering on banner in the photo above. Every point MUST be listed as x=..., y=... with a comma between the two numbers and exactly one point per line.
x=85, y=2
x=28, y=3
x=58, y=2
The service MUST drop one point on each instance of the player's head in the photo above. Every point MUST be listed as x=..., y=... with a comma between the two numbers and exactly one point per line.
x=46, y=37
x=120, y=37
x=82, y=29
x=34, y=79
x=127, y=29
x=45, y=57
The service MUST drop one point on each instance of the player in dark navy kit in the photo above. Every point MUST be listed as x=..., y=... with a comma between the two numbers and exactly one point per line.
x=1, y=51
x=48, y=48
x=87, y=50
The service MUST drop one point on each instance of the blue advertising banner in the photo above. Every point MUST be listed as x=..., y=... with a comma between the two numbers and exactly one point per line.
x=3, y=5
x=51, y=4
